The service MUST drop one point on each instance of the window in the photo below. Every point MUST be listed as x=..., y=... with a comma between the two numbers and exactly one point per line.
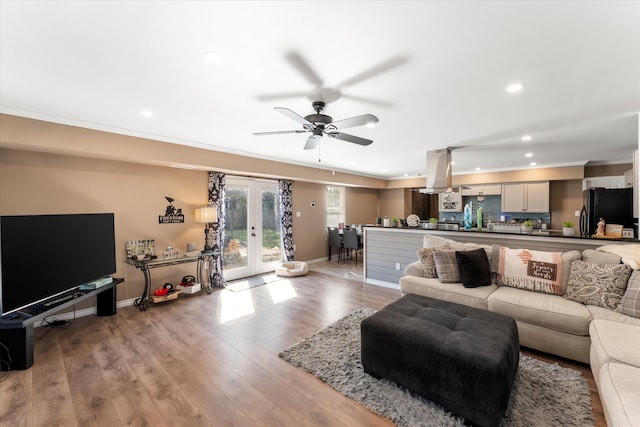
x=335, y=206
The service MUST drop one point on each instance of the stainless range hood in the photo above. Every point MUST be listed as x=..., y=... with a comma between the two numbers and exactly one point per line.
x=438, y=171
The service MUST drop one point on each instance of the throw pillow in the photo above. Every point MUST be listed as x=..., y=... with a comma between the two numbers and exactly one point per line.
x=532, y=270
x=474, y=268
x=446, y=265
x=630, y=303
x=597, y=284
x=426, y=259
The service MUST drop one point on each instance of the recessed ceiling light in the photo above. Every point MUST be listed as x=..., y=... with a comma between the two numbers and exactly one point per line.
x=213, y=57
x=526, y=138
x=146, y=113
x=515, y=87
x=453, y=163
x=532, y=164
x=477, y=168
x=529, y=155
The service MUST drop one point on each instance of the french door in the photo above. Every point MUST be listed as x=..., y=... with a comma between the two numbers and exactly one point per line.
x=252, y=243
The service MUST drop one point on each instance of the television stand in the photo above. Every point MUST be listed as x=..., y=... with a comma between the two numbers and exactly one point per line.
x=16, y=329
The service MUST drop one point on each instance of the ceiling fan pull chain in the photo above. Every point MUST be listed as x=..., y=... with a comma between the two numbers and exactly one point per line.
x=319, y=159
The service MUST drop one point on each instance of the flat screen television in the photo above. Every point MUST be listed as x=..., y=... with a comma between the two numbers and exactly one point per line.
x=43, y=256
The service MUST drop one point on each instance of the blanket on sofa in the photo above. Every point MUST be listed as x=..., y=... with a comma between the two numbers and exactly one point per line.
x=630, y=254
x=532, y=270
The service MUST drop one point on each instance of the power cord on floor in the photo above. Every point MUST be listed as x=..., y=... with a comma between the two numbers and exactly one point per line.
x=61, y=324
x=5, y=362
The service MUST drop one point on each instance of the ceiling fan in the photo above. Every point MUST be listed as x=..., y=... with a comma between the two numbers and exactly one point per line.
x=320, y=124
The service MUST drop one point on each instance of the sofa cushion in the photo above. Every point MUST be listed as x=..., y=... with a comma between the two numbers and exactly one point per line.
x=544, y=310
x=599, y=257
x=620, y=394
x=454, y=292
x=446, y=265
x=597, y=284
x=615, y=342
x=536, y=271
x=474, y=268
x=425, y=255
x=614, y=316
x=630, y=302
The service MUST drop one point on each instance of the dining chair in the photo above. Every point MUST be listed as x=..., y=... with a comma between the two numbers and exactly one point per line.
x=351, y=242
x=335, y=241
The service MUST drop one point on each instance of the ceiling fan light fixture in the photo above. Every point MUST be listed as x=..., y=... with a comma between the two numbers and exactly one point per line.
x=526, y=138
x=213, y=57
x=515, y=87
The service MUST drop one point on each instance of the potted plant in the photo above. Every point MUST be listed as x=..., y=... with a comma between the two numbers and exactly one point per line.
x=433, y=223
x=567, y=229
x=527, y=226
x=394, y=221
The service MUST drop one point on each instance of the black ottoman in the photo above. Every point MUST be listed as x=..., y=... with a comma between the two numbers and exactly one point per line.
x=459, y=357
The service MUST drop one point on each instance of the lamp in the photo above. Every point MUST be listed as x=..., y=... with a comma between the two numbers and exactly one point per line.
x=207, y=215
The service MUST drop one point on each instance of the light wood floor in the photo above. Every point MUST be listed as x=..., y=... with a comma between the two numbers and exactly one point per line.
x=200, y=360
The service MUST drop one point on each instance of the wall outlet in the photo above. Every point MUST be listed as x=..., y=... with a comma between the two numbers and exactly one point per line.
x=294, y=247
x=577, y=213
x=298, y=214
x=397, y=266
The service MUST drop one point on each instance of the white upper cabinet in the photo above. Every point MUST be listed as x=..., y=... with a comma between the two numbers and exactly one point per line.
x=482, y=190
x=525, y=196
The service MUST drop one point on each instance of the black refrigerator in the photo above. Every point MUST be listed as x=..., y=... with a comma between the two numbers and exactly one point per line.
x=615, y=205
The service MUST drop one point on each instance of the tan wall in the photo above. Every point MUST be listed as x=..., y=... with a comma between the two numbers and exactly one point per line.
x=39, y=183
x=310, y=228
x=565, y=199
x=362, y=205
x=392, y=203
x=607, y=170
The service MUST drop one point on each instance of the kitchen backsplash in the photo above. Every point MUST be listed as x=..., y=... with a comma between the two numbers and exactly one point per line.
x=491, y=211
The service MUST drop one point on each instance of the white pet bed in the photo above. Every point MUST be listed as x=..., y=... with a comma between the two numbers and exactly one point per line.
x=292, y=269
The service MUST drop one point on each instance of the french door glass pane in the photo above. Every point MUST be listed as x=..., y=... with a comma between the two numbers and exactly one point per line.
x=235, y=233
x=270, y=226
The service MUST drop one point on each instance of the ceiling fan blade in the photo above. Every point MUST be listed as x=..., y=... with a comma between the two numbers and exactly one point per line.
x=284, y=95
x=351, y=122
x=312, y=142
x=350, y=138
x=386, y=65
x=303, y=67
x=277, y=132
x=292, y=115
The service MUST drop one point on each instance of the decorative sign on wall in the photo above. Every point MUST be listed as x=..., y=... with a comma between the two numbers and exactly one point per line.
x=171, y=214
x=450, y=202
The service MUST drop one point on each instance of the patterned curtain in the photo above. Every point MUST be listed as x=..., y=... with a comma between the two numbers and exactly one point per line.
x=215, y=231
x=286, y=207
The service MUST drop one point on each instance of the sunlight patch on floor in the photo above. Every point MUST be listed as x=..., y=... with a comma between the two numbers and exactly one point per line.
x=234, y=305
x=282, y=290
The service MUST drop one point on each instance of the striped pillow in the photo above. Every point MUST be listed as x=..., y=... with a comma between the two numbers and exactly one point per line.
x=446, y=265
x=630, y=303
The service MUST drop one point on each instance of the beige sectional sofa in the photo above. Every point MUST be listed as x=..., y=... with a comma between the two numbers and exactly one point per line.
x=607, y=340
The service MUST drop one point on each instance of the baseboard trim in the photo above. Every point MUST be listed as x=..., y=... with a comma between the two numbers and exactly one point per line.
x=91, y=311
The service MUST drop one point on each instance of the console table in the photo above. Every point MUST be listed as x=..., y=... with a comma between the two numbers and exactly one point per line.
x=16, y=329
x=146, y=264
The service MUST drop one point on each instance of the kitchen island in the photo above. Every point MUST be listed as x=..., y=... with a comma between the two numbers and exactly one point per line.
x=388, y=250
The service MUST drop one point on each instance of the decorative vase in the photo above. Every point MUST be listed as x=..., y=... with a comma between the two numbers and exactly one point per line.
x=467, y=216
x=527, y=229
x=568, y=231
x=432, y=225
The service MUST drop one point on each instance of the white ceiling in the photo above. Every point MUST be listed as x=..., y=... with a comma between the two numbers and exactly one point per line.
x=98, y=64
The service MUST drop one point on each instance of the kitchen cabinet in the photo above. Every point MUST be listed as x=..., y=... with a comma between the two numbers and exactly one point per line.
x=525, y=196
x=482, y=190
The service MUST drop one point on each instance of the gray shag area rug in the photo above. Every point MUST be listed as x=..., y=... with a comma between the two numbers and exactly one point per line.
x=543, y=394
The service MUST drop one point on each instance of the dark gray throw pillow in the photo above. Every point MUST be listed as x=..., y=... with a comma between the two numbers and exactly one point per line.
x=474, y=268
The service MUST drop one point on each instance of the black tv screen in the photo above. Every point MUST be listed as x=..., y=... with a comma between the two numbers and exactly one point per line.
x=47, y=255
